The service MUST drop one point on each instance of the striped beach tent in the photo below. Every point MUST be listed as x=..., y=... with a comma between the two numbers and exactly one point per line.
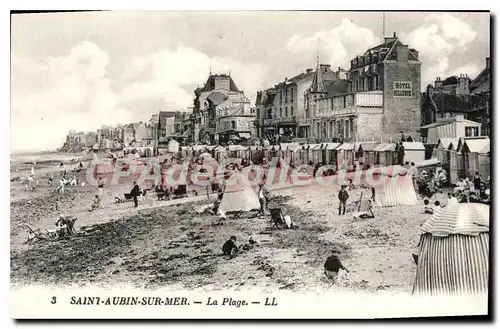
x=239, y=195
x=453, y=251
x=397, y=188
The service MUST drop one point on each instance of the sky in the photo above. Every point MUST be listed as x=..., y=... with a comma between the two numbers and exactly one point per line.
x=78, y=71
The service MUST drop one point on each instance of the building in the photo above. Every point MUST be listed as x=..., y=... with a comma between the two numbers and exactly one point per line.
x=166, y=123
x=221, y=111
x=459, y=96
x=382, y=98
x=480, y=91
x=455, y=127
x=283, y=109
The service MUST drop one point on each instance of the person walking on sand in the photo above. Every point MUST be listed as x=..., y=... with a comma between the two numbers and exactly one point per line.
x=100, y=186
x=343, y=196
x=332, y=267
x=136, y=191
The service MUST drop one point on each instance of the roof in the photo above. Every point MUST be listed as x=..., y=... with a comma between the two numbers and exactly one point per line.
x=385, y=147
x=337, y=87
x=476, y=145
x=390, y=171
x=369, y=146
x=478, y=79
x=380, y=147
x=413, y=146
x=210, y=84
x=444, y=143
x=347, y=146
x=461, y=218
x=217, y=98
x=450, y=120
x=330, y=146
x=427, y=163
x=314, y=146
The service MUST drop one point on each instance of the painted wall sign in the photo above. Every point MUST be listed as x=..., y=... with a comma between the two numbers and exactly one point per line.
x=402, y=89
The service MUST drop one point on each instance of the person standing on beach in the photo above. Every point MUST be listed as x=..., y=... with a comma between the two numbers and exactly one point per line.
x=343, y=196
x=100, y=186
x=136, y=191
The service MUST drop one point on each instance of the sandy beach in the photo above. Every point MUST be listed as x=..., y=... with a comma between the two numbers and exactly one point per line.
x=167, y=243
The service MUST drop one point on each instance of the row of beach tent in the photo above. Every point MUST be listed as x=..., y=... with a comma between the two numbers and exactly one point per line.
x=385, y=154
x=464, y=156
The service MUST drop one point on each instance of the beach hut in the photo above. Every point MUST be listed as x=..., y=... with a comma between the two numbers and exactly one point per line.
x=414, y=151
x=442, y=150
x=330, y=153
x=476, y=156
x=453, y=253
x=386, y=154
x=397, y=188
x=315, y=153
x=293, y=155
x=346, y=154
x=366, y=153
x=457, y=169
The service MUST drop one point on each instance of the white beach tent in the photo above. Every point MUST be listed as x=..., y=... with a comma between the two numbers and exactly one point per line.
x=238, y=195
x=453, y=255
x=397, y=189
x=414, y=151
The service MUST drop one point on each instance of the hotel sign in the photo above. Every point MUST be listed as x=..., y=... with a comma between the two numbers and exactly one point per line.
x=402, y=89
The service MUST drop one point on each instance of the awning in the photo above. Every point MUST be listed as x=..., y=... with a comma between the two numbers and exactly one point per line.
x=347, y=147
x=369, y=146
x=330, y=146
x=414, y=146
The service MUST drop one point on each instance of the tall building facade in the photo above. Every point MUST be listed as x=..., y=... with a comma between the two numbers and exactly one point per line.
x=222, y=111
x=379, y=99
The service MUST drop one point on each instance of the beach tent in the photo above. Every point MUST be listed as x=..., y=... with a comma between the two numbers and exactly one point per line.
x=239, y=195
x=476, y=156
x=414, y=151
x=366, y=152
x=330, y=152
x=315, y=154
x=453, y=254
x=397, y=189
x=442, y=150
x=346, y=154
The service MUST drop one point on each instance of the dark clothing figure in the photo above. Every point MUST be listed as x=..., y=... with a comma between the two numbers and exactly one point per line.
x=332, y=267
x=343, y=196
x=334, y=264
x=477, y=183
x=229, y=248
x=136, y=191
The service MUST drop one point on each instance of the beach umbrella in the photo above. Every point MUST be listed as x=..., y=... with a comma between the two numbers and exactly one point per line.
x=453, y=254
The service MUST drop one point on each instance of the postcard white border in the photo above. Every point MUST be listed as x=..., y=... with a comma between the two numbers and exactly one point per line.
x=30, y=297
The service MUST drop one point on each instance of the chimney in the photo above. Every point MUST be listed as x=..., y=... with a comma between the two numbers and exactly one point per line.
x=390, y=39
x=438, y=83
x=325, y=67
x=487, y=63
x=309, y=70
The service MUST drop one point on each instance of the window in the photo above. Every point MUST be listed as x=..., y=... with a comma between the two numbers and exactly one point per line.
x=471, y=131
x=281, y=112
x=269, y=113
x=233, y=124
x=291, y=111
x=291, y=94
x=286, y=111
x=286, y=95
